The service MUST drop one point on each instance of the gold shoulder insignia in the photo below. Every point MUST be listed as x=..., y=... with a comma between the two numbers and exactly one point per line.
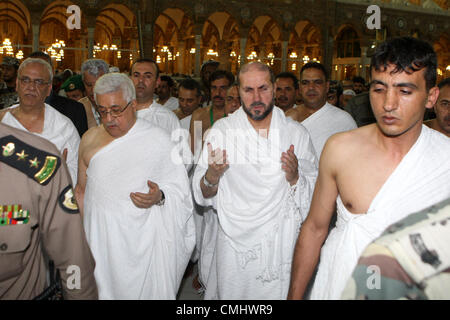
x=37, y=164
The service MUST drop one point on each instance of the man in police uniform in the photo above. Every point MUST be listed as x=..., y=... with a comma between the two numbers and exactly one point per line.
x=39, y=218
x=74, y=88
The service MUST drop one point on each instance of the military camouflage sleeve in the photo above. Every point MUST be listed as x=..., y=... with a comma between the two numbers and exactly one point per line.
x=378, y=276
x=411, y=260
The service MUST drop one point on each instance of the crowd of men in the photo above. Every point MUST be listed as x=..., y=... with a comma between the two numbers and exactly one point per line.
x=274, y=185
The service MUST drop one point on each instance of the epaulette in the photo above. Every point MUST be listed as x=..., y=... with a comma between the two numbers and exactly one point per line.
x=37, y=164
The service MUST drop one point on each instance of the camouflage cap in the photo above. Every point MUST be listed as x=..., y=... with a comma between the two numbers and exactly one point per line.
x=73, y=83
x=11, y=61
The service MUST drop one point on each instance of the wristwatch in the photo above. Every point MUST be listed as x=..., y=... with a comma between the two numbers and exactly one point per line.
x=207, y=184
x=163, y=199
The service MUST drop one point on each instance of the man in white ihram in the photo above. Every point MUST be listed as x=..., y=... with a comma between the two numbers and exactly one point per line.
x=258, y=169
x=145, y=77
x=32, y=114
x=377, y=174
x=134, y=193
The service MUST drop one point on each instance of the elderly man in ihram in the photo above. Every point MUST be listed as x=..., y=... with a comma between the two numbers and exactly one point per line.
x=135, y=196
x=32, y=114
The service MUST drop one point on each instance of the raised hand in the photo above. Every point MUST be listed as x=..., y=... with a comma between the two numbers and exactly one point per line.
x=290, y=165
x=217, y=164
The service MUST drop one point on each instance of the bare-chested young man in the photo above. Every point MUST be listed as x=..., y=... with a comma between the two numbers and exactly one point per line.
x=219, y=82
x=377, y=174
x=135, y=198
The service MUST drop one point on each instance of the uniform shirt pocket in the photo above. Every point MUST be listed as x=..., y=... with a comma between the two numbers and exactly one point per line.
x=15, y=240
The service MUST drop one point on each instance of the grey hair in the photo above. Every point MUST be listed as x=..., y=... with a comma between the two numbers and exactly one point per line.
x=114, y=82
x=94, y=67
x=28, y=61
x=258, y=66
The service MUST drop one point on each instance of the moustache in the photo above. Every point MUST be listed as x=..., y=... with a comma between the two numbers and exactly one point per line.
x=110, y=123
x=257, y=104
x=311, y=92
x=218, y=97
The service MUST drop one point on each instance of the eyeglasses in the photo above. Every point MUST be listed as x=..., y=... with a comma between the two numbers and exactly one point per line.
x=37, y=82
x=114, y=111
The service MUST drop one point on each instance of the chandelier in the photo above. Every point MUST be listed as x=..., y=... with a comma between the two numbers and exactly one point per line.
x=7, y=48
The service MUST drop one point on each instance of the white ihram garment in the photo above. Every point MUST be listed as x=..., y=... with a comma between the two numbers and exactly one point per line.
x=259, y=213
x=139, y=253
x=325, y=122
x=59, y=130
x=420, y=180
x=166, y=119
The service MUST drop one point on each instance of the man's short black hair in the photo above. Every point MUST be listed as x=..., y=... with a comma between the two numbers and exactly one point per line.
x=315, y=65
x=169, y=80
x=219, y=74
x=358, y=79
x=443, y=83
x=190, y=84
x=406, y=54
x=141, y=60
x=289, y=75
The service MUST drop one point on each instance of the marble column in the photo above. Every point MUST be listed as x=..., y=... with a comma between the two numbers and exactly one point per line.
x=364, y=60
x=91, y=31
x=147, y=36
x=243, y=44
x=180, y=58
x=224, y=55
x=35, y=29
x=198, y=54
x=284, y=45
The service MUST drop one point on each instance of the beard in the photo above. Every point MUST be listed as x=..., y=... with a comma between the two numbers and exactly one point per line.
x=259, y=116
